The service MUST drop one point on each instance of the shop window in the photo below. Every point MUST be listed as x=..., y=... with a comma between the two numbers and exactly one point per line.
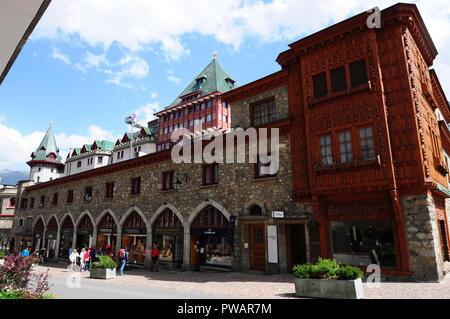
x=135, y=186
x=210, y=174
x=168, y=180
x=358, y=73
x=363, y=242
x=326, y=150
x=367, y=146
x=320, y=85
x=338, y=80
x=345, y=147
x=262, y=112
x=109, y=190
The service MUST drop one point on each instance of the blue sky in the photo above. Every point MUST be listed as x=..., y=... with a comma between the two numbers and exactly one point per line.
x=90, y=63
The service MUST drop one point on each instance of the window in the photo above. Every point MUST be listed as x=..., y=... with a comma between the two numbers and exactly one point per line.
x=12, y=202
x=225, y=119
x=367, y=146
x=198, y=84
x=42, y=201
x=210, y=174
x=191, y=109
x=255, y=210
x=51, y=170
x=338, y=81
x=203, y=106
x=79, y=164
x=325, y=150
x=168, y=180
x=38, y=179
x=320, y=85
x=121, y=154
x=208, y=118
x=88, y=193
x=23, y=203
x=197, y=107
x=100, y=159
x=203, y=119
x=191, y=122
x=208, y=104
x=345, y=147
x=135, y=186
x=109, y=190
x=358, y=73
x=181, y=113
x=262, y=112
x=225, y=105
x=69, y=196
x=55, y=199
x=32, y=203
x=262, y=170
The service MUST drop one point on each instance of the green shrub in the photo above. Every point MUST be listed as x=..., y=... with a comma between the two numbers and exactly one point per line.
x=349, y=273
x=2, y=254
x=21, y=294
x=104, y=262
x=327, y=269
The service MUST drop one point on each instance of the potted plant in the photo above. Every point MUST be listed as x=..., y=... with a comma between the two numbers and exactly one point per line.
x=104, y=268
x=328, y=279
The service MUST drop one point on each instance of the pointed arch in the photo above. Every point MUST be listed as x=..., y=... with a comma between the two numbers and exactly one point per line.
x=202, y=205
x=63, y=219
x=161, y=209
x=131, y=210
x=50, y=219
x=40, y=218
x=84, y=213
x=105, y=212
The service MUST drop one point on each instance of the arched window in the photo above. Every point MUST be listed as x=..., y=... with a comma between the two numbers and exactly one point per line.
x=255, y=210
x=39, y=226
x=85, y=223
x=134, y=221
x=52, y=225
x=167, y=220
x=107, y=222
x=210, y=217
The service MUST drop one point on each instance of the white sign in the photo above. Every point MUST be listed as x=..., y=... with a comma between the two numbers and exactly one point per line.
x=245, y=245
x=277, y=214
x=272, y=244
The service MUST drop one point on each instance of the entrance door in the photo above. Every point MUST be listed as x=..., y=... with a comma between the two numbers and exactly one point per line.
x=257, y=247
x=195, y=250
x=444, y=240
x=296, y=245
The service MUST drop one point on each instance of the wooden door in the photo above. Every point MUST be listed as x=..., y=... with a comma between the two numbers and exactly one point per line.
x=257, y=247
x=296, y=245
x=195, y=250
x=443, y=233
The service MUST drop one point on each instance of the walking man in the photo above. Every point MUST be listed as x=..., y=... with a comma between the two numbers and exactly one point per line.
x=154, y=253
x=73, y=259
x=123, y=259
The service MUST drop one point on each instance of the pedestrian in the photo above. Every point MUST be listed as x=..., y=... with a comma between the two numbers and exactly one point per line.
x=42, y=254
x=154, y=253
x=123, y=259
x=73, y=259
x=109, y=252
x=82, y=262
x=87, y=260
x=25, y=252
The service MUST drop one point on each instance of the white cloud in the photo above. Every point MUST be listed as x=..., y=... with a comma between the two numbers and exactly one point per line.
x=173, y=79
x=146, y=25
x=58, y=55
x=144, y=114
x=17, y=148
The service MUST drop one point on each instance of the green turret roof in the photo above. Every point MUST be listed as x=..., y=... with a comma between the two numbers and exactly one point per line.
x=215, y=79
x=47, y=148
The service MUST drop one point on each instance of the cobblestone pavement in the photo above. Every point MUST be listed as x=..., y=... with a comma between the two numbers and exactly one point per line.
x=250, y=286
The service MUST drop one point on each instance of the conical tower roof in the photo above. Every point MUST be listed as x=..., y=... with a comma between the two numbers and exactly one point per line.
x=48, y=150
x=214, y=78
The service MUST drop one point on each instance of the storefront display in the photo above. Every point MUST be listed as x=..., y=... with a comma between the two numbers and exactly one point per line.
x=210, y=229
x=107, y=233
x=134, y=237
x=366, y=241
x=168, y=234
x=38, y=235
x=50, y=238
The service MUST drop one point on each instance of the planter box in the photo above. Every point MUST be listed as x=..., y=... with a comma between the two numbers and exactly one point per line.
x=332, y=289
x=103, y=273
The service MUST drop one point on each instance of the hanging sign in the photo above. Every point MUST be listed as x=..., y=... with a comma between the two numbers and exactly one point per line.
x=277, y=214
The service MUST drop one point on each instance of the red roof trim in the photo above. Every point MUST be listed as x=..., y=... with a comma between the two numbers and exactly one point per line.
x=183, y=104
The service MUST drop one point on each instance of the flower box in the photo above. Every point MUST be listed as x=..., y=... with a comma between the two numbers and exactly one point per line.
x=103, y=273
x=329, y=288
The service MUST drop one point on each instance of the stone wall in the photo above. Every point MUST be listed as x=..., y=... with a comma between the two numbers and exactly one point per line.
x=236, y=189
x=422, y=237
x=241, y=109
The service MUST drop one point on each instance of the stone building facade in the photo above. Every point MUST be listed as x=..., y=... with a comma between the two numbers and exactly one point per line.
x=8, y=203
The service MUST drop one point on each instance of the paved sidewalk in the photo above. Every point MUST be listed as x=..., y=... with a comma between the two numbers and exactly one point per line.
x=243, y=285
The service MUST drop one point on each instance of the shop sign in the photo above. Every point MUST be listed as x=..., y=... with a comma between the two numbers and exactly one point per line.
x=134, y=231
x=277, y=214
x=209, y=232
x=105, y=230
x=84, y=231
x=272, y=244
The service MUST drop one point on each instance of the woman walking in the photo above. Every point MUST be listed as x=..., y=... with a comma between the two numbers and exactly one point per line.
x=82, y=259
x=73, y=259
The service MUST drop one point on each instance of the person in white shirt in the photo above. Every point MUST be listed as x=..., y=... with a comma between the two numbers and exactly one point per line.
x=73, y=259
x=82, y=262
